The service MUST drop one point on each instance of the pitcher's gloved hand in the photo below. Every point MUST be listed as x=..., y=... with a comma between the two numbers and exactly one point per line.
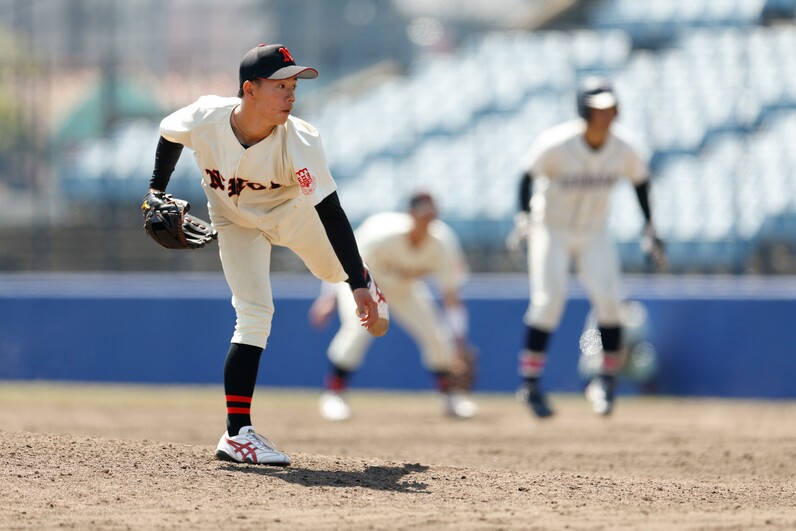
x=166, y=220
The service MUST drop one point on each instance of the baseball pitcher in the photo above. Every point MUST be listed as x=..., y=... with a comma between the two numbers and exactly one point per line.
x=267, y=183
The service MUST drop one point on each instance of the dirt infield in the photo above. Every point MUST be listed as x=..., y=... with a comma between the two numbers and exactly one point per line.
x=125, y=457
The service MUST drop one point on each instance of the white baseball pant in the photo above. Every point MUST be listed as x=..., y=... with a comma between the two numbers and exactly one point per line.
x=550, y=251
x=246, y=260
x=413, y=307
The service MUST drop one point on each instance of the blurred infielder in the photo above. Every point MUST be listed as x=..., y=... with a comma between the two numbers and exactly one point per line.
x=401, y=249
x=570, y=172
x=267, y=183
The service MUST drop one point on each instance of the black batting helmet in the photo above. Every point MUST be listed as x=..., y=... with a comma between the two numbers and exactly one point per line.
x=595, y=92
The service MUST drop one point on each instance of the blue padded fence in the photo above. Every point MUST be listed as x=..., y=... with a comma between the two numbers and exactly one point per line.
x=725, y=337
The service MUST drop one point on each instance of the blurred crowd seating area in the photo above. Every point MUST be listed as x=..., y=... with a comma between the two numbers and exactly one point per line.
x=709, y=86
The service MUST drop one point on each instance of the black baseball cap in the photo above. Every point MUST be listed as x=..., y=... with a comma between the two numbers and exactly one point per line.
x=272, y=61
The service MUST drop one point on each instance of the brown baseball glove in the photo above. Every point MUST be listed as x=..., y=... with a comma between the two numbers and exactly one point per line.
x=463, y=369
x=166, y=220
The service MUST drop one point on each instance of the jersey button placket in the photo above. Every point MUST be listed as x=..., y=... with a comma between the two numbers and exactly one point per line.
x=238, y=174
x=239, y=168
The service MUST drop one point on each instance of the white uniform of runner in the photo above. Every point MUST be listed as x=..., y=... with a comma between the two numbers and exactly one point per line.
x=573, y=184
x=400, y=267
x=259, y=196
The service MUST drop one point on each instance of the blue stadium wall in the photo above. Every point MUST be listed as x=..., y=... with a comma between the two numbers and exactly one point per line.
x=722, y=337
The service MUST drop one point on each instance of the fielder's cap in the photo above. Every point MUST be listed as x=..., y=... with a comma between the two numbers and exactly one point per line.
x=596, y=92
x=422, y=203
x=418, y=198
x=272, y=61
x=601, y=100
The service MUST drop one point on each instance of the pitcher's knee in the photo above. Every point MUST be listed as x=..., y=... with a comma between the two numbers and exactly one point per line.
x=252, y=328
x=257, y=338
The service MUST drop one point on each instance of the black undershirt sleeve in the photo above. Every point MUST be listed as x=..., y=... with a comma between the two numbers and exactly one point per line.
x=341, y=235
x=166, y=157
x=526, y=189
x=642, y=192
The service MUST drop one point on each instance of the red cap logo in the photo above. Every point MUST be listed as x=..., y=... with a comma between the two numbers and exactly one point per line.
x=286, y=54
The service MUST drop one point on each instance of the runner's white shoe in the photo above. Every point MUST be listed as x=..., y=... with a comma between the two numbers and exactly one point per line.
x=334, y=406
x=600, y=393
x=383, y=324
x=459, y=406
x=250, y=447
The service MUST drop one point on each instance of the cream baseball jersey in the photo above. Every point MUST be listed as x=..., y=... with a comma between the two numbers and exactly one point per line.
x=385, y=247
x=257, y=186
x=573, y=182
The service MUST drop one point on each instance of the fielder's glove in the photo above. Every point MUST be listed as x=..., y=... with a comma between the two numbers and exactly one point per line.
x=653, y=249
x=166, y=220
x=463, y=368
x=518, y=238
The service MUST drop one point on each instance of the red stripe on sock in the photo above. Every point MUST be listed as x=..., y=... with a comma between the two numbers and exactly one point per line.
x=611, y=363
x=238, y=410
x=335, y=383
x=443, y=383
x=531, y=365
x=238, y=398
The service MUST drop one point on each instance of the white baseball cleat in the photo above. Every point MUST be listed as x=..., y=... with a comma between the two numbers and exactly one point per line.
x=250, y=447
x=334, y=406
x=383, y=324
x=600, y=393
x=459, y=406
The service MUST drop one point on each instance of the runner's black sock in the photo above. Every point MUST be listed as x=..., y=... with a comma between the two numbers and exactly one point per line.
x=442, y=381
x=337, y=380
